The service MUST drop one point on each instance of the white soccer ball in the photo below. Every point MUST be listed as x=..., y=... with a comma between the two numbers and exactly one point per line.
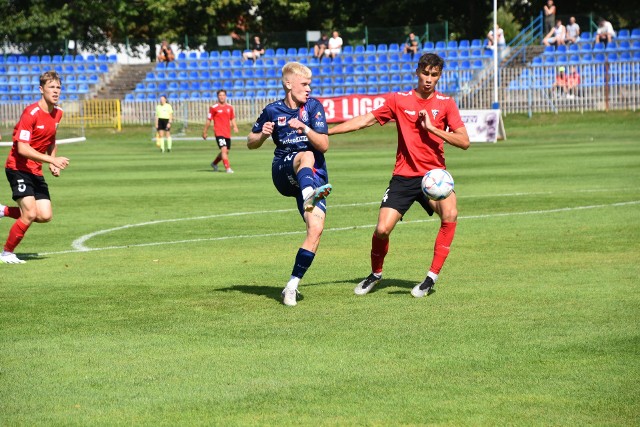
x=437, y=184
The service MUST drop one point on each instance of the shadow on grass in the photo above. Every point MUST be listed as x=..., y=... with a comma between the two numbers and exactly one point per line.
x=30, y=256
x=384, y=283
x=272, y=292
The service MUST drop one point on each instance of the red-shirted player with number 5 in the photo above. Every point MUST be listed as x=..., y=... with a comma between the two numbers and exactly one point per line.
x=422, y=117
x=34, y=142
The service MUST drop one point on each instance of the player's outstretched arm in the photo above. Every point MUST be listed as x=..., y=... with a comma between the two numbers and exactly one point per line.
x=255, y=140
x=357, y=123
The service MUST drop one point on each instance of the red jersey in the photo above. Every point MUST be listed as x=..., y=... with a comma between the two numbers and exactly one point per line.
x=38, y=129
x=221, y=116
x=418, y=150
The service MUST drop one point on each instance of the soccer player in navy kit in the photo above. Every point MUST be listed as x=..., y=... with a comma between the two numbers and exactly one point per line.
x=422, y=117
x=298, y=128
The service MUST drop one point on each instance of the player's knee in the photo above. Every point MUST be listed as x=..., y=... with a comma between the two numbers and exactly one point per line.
x=383, y=231
x=449, y=215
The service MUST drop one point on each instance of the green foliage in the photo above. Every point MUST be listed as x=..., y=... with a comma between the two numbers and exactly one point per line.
x=173, y=317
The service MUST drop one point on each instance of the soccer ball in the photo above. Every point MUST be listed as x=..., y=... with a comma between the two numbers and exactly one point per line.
x=437, y=184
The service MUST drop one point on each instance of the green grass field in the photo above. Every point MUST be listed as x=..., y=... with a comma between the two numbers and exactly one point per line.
x=153, y=297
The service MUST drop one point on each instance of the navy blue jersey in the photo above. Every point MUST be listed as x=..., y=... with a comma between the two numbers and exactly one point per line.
x=287, y=139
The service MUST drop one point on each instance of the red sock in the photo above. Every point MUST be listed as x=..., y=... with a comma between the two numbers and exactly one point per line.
x=12, y=212
x=379, y=249
x=16, y=234
x=226, y=163
x=442, y=247
x=217, y=160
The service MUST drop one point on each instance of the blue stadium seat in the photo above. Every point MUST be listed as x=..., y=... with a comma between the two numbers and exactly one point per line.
x=272, y=93
x=347, y=50
x=394, y=47
x=464, y=44
x=339, y=91
x=441, y=45
x=452, y=45
x=429, y=46
x=624, y=34
x=381, y=48
x=303, y=51
x=635, y=33
x=476, y=43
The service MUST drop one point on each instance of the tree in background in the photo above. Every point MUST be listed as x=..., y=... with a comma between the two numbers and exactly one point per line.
x=42, y=26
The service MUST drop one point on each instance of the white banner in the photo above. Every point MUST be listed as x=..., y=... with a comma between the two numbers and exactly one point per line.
x=483, y=125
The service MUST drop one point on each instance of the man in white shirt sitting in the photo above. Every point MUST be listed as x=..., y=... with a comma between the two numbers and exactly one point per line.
x=335, y=45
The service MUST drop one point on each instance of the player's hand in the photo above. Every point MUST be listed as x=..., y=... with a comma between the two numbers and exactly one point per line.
x=267, y=128
x=297, y=125
x=59, y=162
x=54, y=170
x=204, y=135
x=425, y=121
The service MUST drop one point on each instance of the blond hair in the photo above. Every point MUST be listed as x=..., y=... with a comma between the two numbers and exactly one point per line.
x=295, y=68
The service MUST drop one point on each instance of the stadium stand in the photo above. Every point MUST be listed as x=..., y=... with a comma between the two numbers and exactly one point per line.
x=81, y=76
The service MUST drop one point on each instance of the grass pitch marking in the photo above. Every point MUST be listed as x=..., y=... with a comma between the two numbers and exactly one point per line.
x=79, y=244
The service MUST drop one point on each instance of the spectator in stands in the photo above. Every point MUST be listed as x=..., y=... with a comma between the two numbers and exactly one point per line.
x=549, y=11
x=496, y=38
x=605, y=32
x=321, y=46
x=411, y=45
x=573, y=31
x=573, y=83
x=164, y=117
x=335, y=45
x=560, y=86
x=166, y=54
x=256, y=50
x=556, y=36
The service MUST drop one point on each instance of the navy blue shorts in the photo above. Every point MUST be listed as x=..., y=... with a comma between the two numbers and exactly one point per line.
x=286, y=181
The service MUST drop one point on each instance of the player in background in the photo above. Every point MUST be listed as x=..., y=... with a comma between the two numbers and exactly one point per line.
x=223, y=117
x=34, y=142
x=164, y=117
x=298, y=128
x=422, y=117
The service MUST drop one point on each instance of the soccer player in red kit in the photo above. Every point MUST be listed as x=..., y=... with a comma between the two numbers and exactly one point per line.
x=34, y=142
x=223, y=117
x=422, y=118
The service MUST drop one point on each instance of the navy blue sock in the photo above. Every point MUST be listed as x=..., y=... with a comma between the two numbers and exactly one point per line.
x=304, y=258
x=305, y=177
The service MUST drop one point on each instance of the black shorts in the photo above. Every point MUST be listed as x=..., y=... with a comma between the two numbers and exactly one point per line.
x=163, y=124
x=402, y=192
x=25, y=184
x=223, y=142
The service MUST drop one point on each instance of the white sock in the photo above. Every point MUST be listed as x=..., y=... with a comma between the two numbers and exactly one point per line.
x=378, y=275
x=306, y=192
x=2, y=210
x=293, y=282
x=433, y=276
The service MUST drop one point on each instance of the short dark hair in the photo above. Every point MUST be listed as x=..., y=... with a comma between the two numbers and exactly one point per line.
x=221, y=91
x=430, y=60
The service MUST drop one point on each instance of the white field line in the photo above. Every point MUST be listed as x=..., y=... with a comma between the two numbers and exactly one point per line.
x=79, y=244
